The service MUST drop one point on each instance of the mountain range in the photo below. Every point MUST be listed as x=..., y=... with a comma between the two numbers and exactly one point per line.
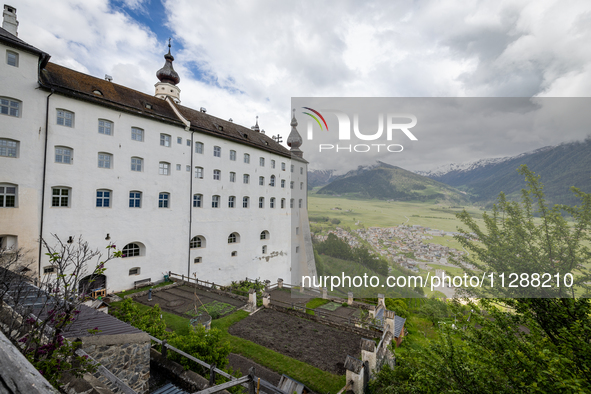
x=387, y=182
x=560, y=167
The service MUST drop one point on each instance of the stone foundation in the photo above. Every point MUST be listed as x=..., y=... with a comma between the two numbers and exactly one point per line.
x=127, y=356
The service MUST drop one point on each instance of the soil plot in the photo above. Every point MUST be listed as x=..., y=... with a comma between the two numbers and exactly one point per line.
x=313, y=343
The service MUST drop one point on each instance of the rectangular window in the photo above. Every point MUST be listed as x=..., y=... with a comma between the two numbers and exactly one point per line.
x=232, y=177
x=244, y=202
x=8, y=148
x=262, y=161
x=261, y=181
x=12, y=58
x=188, y=168
x=135, y=199
x=291, y=185
x=197, y=199
x=188, y=142
x=105, y=127
x=60, y=197
x=283, y=183
x=233, y=155
x=245, y=178
x=231, y=201
x=179, y=140
x=65, y=118
x=217, y=175
x=300, y=203
x=163, y=199
x=104, y=160
x=297, y=249
x=282, y=166
x=272, y=203
x=178, y=167
x=9, y=107
x=198, y=147
x=272, y=163
x=137, y=134
x=7, y=196
x=165, y=140
x=301, y=170
x=292, y=168
x=301, y=185
x=136, y=164
x=103, y=198
x=215, y=201
x=246, y=158
x=63, y=155
x=291, y=203
x=199, y=172
x=164, y=168
x=217, y=151
x=261, y=202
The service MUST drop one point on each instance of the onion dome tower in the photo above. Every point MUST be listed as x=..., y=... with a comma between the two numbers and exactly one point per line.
x=168, y=80
x=294, y=141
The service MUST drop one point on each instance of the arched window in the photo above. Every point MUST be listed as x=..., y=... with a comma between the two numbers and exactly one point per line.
x=265, y=234
x=261, y=181
x=272, y=183
x=64, y=154
x=261, y=202
x=8, y=148
x=10, y=107
x=132, y=250
x=197, y=200
x=231, y=202
x=245, y=202
x=234, y=238
x=215, y=201
x=197, y=242
x=65, y=118
x=272, y=202
x=8, y=195
x=199, y=147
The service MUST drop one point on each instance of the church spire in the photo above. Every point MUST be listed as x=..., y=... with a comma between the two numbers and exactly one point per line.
x=294, y=141
x=167, y=74
x=168, y=79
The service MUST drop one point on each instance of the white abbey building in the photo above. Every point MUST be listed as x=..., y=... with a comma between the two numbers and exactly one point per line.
x=175, y=188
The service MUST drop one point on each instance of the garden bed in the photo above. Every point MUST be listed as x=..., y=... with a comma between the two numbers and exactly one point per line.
x=313, y=343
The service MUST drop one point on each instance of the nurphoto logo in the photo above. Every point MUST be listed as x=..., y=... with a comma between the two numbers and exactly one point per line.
x=392, y=121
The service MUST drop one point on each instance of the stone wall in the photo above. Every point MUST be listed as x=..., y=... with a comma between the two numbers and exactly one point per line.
x=127, y=356
x=156, y=290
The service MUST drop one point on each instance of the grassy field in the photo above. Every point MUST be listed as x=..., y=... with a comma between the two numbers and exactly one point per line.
x=379, y=213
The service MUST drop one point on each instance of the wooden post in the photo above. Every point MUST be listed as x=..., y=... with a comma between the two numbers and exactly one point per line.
x=251, y=389
x=163, y=348
x=212, y=374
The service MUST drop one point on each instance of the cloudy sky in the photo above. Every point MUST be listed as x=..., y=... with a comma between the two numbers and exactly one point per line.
x=240, y=59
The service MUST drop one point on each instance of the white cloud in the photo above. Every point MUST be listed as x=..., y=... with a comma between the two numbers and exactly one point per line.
x=253, y=56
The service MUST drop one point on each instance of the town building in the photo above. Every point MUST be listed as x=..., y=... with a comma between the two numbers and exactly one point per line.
x=175, y=188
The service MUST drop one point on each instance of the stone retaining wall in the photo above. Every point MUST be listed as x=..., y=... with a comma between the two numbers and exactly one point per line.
x=127, y=356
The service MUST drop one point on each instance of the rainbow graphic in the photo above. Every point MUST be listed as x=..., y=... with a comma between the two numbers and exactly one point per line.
x=315, y=118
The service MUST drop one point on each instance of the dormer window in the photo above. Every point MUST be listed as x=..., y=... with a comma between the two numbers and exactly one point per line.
x=98, y=92
x=148, y=106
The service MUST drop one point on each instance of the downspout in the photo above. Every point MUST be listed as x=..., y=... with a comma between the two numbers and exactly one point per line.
x=190, y=207
x=43, y=186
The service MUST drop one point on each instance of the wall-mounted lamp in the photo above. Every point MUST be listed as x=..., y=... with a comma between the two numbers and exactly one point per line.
x=108, y=237
x=70, y=239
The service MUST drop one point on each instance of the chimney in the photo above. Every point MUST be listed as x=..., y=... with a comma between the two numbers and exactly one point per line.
x=9, y=23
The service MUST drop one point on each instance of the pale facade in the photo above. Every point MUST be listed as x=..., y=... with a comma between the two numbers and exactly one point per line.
x=178, y=189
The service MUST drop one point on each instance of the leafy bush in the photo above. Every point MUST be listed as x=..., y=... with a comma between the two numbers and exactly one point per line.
x=150, y=320
x=207, y=346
